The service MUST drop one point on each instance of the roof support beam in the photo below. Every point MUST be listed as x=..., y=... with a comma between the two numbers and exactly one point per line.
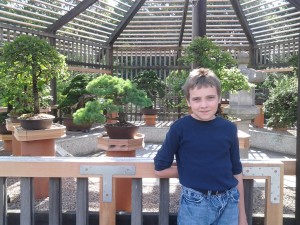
x=199, y=18
x=182, y=27
x=127, y=18
x=243, y=21
x=82, y=6
x=295, y=3
x=297, y=212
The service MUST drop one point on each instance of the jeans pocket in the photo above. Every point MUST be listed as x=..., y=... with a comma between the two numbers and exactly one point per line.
x=193, y=198
x=235, y=195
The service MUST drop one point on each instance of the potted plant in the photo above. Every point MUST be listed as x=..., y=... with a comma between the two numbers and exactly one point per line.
x=154, y=87
x=31, y=63
x=113, y=94
x=74, y=97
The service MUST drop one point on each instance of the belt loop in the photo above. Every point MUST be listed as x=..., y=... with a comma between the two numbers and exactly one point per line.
x=209, y=193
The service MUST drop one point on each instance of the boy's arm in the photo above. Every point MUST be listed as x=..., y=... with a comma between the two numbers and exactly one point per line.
x=242, y=212
x=169, y=172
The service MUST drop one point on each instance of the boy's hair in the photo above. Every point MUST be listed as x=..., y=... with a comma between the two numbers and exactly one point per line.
x=199, y=78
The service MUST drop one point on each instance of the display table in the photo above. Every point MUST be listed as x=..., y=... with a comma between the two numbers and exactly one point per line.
x=121, y=148
x=15, y=144
x=39, y=143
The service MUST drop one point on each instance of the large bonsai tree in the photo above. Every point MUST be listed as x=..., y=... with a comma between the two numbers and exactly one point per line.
x=31, y=63
x=113, y=94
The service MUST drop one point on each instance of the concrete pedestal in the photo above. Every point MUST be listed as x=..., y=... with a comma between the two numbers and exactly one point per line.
x=121, y=148
x=39, y=143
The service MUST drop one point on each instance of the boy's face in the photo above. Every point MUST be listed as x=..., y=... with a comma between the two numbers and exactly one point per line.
x=204, y=103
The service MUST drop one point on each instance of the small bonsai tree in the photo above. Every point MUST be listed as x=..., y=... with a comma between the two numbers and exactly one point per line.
x=31, y=63
x=150, y=82
x=112, y=94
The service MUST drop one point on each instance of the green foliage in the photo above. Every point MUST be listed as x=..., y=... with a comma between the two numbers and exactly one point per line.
x=205, y=53
x=233, y=80
x=114, y=93
x=93, y=112
x=29, y=63
x=281, y=106
x=175, y=81
x=150, y=82
x=75, y=95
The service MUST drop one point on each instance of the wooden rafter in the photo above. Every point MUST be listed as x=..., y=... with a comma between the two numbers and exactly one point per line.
x=129, y=15
x=243, y=21
x=183, y=22
x=82, y=6
x=295, y=3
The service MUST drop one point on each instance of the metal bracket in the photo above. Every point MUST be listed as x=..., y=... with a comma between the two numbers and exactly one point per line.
x=274, y=173
x=107, y=173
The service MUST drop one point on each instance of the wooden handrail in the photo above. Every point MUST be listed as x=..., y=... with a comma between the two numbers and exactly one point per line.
x=108, y=168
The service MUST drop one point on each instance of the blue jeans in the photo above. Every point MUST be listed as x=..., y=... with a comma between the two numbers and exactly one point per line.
x=197, y=208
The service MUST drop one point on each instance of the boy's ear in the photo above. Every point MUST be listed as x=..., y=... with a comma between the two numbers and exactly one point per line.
x=188, y=102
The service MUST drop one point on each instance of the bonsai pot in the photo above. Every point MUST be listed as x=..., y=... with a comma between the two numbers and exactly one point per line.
x=13, y=118
x=115, y=131
x=38, y=122
x=71, y=126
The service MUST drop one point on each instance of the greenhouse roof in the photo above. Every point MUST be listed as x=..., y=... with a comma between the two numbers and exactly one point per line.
x=155, y=22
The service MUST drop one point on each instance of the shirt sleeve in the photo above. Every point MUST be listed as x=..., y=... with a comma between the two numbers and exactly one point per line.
x=165, y=155
x=235, y=154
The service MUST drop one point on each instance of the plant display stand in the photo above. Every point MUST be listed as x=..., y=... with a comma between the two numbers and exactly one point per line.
x=15, y=144
x=7, y=142
x=39, y=143
x=121, y=148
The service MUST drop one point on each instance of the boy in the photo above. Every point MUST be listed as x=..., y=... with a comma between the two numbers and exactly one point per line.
x=206, y=149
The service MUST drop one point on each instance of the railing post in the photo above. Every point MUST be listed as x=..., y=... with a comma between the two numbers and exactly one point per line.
x=55, y=202
x=82, y=202
x=137, y=196
x=3, y=201
x=248, y=196
x=164, y=201
x=27, y=201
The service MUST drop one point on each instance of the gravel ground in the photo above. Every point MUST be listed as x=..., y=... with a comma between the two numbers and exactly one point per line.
x=150, y=197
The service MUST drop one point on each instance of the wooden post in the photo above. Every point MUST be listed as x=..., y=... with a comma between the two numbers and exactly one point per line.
x=121, y=148
x=39, y=143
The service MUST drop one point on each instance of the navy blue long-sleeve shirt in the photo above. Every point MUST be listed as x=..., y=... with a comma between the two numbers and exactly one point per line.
x=206, y=152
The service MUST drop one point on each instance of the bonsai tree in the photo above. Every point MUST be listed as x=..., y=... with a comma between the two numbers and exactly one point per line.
x=205, y=53
x=281, y=106
x=75, y=95
x=113, y=94
x=29, y=63
x=174, y=81
x=150, y=82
